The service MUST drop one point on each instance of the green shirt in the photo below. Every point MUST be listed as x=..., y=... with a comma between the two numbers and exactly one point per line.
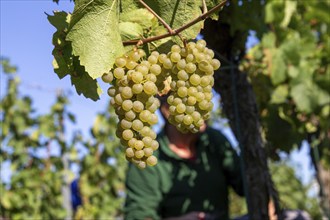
x=176, y=186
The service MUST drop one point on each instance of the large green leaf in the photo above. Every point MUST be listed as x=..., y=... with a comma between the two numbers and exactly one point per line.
x=278, y=70
x=95, y=36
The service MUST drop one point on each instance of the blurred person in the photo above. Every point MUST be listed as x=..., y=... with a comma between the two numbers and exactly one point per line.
x=190, y=180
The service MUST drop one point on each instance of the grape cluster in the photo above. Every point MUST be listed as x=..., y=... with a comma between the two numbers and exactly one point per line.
x=133, y=97
x=136, y=82
x=191, y=86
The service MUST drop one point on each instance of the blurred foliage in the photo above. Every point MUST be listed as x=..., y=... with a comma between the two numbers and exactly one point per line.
x=40, y=157
x=290, y=73
x=293, y=194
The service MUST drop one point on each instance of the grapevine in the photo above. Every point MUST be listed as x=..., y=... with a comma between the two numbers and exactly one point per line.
x=182, y=72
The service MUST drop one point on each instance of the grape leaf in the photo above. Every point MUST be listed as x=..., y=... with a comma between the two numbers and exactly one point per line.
x=278, y=69
x=130, y=30
x=62, y=51
x=87, y=86
x=95, y=36
x=280, y=94
x=140, y=16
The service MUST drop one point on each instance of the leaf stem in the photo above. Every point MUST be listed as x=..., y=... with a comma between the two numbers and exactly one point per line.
x=175, y=31
x=170, y=30
x=204, y=6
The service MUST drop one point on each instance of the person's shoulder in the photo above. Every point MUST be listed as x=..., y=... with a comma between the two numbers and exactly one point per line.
x=215, y=134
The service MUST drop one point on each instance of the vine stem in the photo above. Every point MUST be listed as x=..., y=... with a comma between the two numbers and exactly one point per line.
x=175, y=31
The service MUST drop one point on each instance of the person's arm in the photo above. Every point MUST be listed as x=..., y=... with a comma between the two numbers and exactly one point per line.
x=143, y=194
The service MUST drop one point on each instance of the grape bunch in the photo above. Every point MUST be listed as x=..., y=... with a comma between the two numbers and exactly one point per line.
x=137, y=80
x=192, y=80
x=133, y=97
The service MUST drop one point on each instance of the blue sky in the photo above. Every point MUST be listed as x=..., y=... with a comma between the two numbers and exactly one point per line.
x=26, y=38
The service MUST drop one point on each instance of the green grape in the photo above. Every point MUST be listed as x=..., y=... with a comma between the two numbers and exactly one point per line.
x=119, y=72
x=173, y=86
x=179, y=118
x=162, y=58
x=196, y=116
x=170, y=99
x=111, y=91
x=183, y=75
x=134, y=55
x=202, y=42
x=150, y=88
x=154, y=145
x=187, y=120
x=200, y=57
x=182, y=92
x=147, y=141
x=145, y=63
x=148, y=152
x=199, y=96
x=191, y=100
x=127, y=134
x=192, y=91
x=137, y=88
x=155, y=69
x=141, y=53
x=120, y=62
x=177, y=101
x=144, y=115
x=130, y=115
x=167, y=64
x=127, y=105
x=190, y=68
x=153, y=119
x=181, y=64
x=107, y=77
x=125, y=124
x=203, y=105
x=175, y=57
x=208, y=96
x=138, y=106
x=190, y=109
x=190, y=58
x=155, y=53
x=152, y=108
x=152, y=160
x=142, y=69
x=130, y=64
x=142, y=165
x=181, y=108
x=137, y=125
x=138, y=145
x=118, y=99
x=176, y=48
x=127, y=93
x=139, y=154
x=151, y=77
x=195, y=79
x=216, y=64
x=129, y=152
x=131, y=142
x=152, y=59
x=205, y=80
x=180, y=83
x=207, y=88
x=137, y=77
